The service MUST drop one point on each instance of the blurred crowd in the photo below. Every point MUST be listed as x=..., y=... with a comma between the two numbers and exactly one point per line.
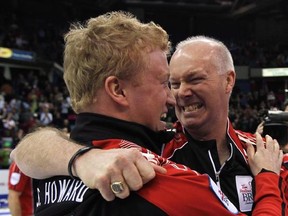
x=45, y=38
x=28, y=102
x=259, y=55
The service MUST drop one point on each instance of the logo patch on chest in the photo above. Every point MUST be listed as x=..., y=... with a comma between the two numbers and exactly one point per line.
x=244, y=191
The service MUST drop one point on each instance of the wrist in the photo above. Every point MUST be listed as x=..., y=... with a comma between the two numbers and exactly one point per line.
x=71, y=164
x=263, y=170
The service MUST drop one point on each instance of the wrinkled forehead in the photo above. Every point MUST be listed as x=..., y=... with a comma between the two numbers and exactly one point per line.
x=194, y=53
x=200, y=49
x=156, y=65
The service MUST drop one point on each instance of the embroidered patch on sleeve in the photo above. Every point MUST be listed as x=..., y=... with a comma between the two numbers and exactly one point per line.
x=15, y=178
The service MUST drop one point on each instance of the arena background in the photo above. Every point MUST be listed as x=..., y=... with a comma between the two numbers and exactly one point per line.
x=31, y=45
x=256, y=31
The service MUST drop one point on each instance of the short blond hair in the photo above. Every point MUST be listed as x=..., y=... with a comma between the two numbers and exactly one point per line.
x=115, y=43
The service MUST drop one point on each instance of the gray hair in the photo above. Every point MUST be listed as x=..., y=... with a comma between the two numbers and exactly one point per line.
x=223, y=59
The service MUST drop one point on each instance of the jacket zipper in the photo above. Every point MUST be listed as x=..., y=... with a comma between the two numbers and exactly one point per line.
x=217, y=173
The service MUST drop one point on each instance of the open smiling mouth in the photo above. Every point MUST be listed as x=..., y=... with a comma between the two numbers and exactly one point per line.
x=192, y=107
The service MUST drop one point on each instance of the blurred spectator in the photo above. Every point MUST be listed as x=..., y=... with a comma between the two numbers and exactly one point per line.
x=46, y=116
x=285, y=106
x=65, y=106
x=20, y=197
x=5, y=153
x=2, y=103
x=9, y=125
x=260, y=127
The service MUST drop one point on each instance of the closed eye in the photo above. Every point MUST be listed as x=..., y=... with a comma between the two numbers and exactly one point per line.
x=174, y=85
x=195, y=80
x=166, y=84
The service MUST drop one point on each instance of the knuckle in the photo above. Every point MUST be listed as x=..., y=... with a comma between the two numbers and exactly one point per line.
x=123, y=194
x=149, y=176
x=101, y=182
x=133, y=152
x=137, y=186
x=128, y=156
x=109, y=196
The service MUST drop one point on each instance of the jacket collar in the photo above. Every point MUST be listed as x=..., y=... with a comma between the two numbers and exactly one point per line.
x=91, y=126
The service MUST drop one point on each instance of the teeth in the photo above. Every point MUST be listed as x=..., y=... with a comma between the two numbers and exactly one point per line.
x=191, y=107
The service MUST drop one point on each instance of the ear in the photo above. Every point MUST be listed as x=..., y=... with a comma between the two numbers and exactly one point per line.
x=115, y=89
x=230, y=81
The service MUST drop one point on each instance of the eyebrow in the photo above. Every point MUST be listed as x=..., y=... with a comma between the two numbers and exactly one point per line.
x=164, y=75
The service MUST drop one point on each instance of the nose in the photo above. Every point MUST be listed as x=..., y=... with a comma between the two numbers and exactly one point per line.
x=183, y=90
x=170, y=99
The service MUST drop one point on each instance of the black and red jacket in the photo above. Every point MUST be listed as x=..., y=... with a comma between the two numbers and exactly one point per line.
x=233, y=177
x=181, y=191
